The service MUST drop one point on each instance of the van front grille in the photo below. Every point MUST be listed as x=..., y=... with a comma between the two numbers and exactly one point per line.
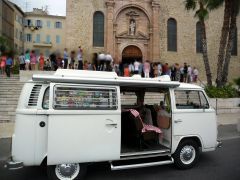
x=34, y=95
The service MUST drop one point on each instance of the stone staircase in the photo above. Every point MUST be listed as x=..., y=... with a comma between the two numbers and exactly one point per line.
x=10, y=89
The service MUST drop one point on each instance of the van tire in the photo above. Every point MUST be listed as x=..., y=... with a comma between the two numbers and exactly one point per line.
x=52, y=175
x=187, y=154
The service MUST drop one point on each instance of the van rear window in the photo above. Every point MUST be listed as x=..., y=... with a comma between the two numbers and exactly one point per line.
x=78, y=98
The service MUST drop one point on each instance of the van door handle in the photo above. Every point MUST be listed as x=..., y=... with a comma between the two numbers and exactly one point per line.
x=113, y=124
x=178, y=121
x=110, y=122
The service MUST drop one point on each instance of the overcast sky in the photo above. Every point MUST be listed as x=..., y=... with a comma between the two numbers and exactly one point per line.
x=55, y=7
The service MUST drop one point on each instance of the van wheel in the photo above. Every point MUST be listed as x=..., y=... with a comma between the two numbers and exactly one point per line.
x=67, y=171
x=186, y=155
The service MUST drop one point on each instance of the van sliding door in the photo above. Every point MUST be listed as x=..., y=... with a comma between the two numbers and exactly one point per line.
x=84, y=124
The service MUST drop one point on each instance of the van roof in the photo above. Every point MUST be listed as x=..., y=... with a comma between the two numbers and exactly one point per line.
x=107, y=78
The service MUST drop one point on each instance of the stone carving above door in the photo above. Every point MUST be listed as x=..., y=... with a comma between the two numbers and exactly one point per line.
x=132, y=23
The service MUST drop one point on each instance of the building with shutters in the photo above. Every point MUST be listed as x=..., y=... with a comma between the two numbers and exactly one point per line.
x=44, y=33
x=7, y=22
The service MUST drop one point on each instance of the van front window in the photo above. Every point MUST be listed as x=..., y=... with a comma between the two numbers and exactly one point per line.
x=189, y=99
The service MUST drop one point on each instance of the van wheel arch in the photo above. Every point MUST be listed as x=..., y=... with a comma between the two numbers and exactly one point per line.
x=194, y=138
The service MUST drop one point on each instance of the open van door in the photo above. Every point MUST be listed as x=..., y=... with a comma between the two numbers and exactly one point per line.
x=84, y=124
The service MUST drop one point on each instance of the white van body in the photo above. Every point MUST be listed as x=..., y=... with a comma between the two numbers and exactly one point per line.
x=57, y=135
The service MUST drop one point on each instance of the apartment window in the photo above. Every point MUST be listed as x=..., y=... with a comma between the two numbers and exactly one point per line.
x=58, y=39
x=48, y=39
x=235, y=43
x=21, y=36
x=29, y=22
x=20, y=20
x=172, y=34
x=38, y=23
x=198, y=38
x=48, y=24
x=38, y=38
x=58, y=25
x=16, y=34
x=98, y=29
x=29, y=38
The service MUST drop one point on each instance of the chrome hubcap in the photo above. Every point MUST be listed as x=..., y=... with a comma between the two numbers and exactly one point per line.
x=67, y=171
x=187, y=154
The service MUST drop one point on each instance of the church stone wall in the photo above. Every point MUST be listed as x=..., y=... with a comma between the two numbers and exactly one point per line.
x=80, y=31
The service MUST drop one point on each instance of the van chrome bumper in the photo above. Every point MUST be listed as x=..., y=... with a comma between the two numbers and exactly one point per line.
x=219, y=144
x=12, y=165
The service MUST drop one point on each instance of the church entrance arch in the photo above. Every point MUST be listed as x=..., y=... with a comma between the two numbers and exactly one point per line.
x=131, y=53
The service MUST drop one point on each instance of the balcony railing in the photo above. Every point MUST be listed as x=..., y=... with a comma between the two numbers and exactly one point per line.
x=42, y=44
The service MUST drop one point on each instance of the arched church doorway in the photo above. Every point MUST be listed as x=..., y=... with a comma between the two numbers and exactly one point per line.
x=130, y=54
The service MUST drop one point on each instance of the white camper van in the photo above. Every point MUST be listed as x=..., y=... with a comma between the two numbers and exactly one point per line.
x=72, y=118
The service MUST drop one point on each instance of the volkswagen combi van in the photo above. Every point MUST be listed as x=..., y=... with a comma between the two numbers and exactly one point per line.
x=73, y=118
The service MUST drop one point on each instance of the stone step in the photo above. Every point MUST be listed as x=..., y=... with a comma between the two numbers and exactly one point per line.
x=11, y=113
x=8, y=110
x=10, y=88
x=11, y=83
x=10, y=96
x=12, y=79
x=8, y=102
x=8, y=105
x=7, y=91
x=7, y=116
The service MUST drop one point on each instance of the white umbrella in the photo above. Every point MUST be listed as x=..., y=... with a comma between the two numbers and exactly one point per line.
x=109, y=57
x=102, y=57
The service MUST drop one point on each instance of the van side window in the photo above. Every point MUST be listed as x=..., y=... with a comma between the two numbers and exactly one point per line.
x=45, y=103
x=79, y=98
x=187, y=99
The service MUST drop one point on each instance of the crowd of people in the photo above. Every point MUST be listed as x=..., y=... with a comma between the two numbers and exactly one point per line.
x=74, y=60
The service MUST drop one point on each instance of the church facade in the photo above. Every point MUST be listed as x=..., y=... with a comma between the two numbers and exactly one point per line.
x=156, y=30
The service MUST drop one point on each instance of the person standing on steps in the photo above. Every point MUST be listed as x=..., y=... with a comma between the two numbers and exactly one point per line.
x=65, y=58
x=9, y=64
x=80, y=59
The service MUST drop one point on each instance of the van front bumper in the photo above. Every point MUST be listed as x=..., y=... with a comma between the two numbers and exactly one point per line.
x=12, y=165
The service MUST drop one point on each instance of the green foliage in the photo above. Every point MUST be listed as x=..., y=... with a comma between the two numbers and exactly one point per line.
x=214, y=4
x=237, y=82
x=227, y=91
x=15, y=69
x=202, y=14
x=190, y=4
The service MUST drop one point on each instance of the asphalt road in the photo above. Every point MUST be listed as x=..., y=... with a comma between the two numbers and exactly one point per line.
x=222, y=164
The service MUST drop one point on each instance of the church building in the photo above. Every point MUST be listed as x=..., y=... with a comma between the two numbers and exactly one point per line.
x=155, y=30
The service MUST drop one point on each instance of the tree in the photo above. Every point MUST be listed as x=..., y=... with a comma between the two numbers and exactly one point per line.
x=235, y=6
x=3, y=44
x=202, y=14
x=231, y=11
